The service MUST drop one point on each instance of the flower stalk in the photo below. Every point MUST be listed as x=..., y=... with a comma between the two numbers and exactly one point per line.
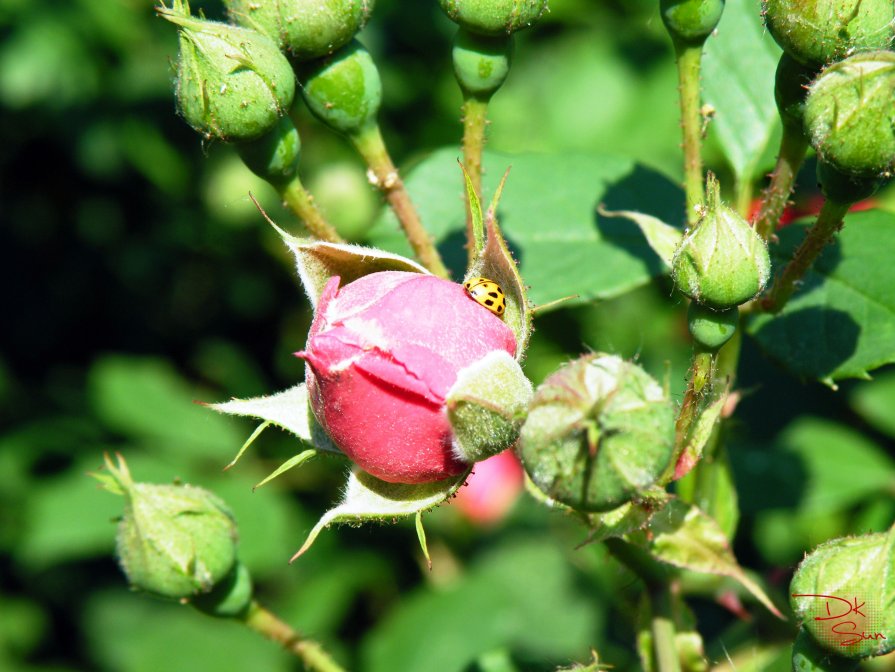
x=793, y=146
x=300, y=201
x=311, y=653
x=689, y=62
x=385, y=177
x=662, y=626
x=475, y=111
x=829, y=221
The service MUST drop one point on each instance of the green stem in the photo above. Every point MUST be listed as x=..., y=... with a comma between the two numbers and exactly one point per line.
x=475, y=112
x=297, y=198
x=662, y=625
x=310, y=652
x=689, y=60
x=701, y=376
x=658, y=578
x=385, y=177
x=793, y=146
x=829, y=221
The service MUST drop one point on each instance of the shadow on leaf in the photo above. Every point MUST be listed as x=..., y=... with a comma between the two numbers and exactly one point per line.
x=810, y=342
x=642, y=190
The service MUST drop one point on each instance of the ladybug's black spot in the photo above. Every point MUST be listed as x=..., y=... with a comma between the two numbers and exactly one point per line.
x=489, y=302
x=493, y=295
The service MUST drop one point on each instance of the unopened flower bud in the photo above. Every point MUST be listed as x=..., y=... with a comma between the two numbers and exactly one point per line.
x=492, y=17
x=691, y=21
x=721, y=262
x=712, y=328
x=853, y=577
x=598, y=431
x=274, y=156
x=850, y=114
x=308, y=29
x=176, y=541
x=808, y=656
x=343, y=90
x=824, y=31
x=411, y=378
x=233, y=83
x=481, y=62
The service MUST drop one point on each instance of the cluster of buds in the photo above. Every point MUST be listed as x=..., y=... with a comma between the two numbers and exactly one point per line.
x=847, y=114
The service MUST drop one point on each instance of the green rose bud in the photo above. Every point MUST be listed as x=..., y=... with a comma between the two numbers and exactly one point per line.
x=807, y=656
x=842, y=187
x=721, y=262
x=823, y=31
x=691, y=21
x=233, y=84
x=231, y=597
x=850, y=114
x=598, y=431
x=308, y=29
x=481, y=62
x=712, y=328
x=852, y=580
x=492, y=17
x=486, y=406
x=274, y=156
x=343, y=90
x=176, y=541
x=791, y=90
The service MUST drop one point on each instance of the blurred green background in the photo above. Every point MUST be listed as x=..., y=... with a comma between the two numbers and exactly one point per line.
x=138, y=277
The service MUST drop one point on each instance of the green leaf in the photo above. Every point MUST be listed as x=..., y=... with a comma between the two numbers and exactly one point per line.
x=710, y=486
x=50, y=535
x=369, y=499
x=683, y=536
x=288, y=409
x=662, y=238
x=841, y=322
x=146, y=399
x=548, y=216
x=840, y=467
x=738, y=82
x=126, y=631
x=521, y=596
x=874, y=402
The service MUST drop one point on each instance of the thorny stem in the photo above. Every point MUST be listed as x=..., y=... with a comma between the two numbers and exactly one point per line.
x=829, y=221
x=384, y=176
x=474, y=121
x=689, y=60
x=311, y=653
x=296, y=197
x=702, y=372
x=793, y=146
x=658, y=580
x=662, y=626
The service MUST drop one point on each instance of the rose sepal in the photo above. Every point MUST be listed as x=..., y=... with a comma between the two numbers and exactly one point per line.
x=369, y=499
x=496, y=262
x=487, y=405
x=317, y=261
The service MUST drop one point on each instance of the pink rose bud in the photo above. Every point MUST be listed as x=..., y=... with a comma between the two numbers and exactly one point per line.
x=491, y=489
x=412, y=378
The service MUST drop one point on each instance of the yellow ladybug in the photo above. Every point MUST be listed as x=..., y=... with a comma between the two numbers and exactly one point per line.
x=488, y=293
